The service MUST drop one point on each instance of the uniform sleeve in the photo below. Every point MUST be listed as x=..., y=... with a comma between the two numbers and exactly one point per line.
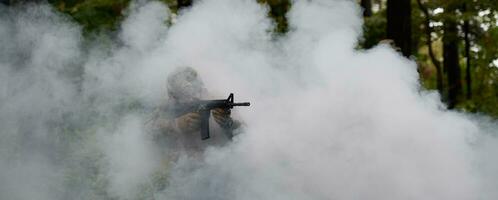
x=159, y=125
x=233, y=128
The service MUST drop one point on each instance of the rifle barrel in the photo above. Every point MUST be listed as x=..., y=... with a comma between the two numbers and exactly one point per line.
x=242, y=104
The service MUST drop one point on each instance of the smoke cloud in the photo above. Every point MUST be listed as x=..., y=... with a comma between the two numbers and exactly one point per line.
x=326, y=121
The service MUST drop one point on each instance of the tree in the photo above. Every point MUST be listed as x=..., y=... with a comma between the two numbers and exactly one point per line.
x=277, y=11
x=466, y=32
x=399, y=24
x=183, y=3
x=451, y=57
x=5, y=2
x=428, y=41
x=367, y=7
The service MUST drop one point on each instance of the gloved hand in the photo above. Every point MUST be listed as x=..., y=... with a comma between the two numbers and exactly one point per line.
x=189, y=122
x=222, y=117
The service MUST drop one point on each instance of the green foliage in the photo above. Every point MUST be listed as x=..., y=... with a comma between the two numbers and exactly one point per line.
x=104, y=16
x=277, y=11
x=483, y=39
x=374, y=30
x=94, y=15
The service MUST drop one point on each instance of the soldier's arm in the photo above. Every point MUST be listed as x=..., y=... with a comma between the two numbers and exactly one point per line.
x=224, y=119
x=187, y=123
x=158, y=124
x=165, y=125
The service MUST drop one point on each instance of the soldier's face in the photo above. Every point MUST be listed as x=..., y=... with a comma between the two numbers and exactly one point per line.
x=182, y=98
x=187, y=93
x=185, y=86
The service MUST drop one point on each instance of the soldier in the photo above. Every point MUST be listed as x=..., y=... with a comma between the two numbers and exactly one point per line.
x=182, y=133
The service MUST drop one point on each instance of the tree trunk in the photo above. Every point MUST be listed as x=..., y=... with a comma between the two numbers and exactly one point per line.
x=428, y=42
x=399, y=24
x=183, y=3
x=5, y=2
x=468, y=75
x=450, y=51
x=367, y=7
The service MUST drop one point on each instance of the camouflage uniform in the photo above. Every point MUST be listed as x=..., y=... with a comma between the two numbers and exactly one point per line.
x=184, y=85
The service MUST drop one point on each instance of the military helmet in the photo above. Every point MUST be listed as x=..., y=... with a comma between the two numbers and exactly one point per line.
x=184, y=84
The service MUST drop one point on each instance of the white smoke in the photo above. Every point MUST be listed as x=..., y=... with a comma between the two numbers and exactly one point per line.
x=326, y=121
x=132, y=158
x=34, y=97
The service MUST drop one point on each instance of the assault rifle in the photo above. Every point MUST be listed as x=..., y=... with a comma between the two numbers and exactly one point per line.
x=204, y=107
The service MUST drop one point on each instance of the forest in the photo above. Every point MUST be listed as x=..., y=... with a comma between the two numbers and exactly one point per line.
x=452, y=41
x=349, y=99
